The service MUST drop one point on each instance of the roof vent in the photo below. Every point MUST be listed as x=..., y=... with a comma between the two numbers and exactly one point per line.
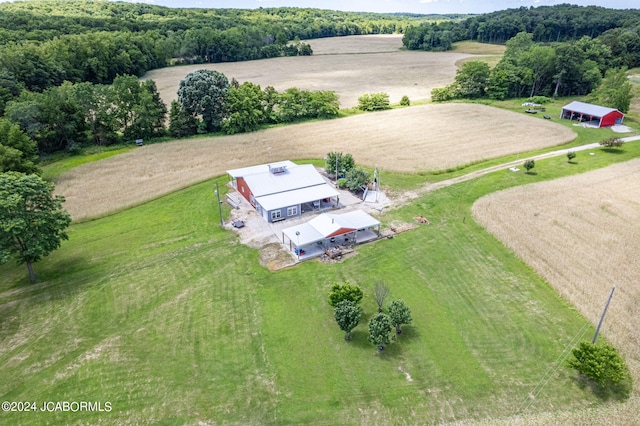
x=277, y=170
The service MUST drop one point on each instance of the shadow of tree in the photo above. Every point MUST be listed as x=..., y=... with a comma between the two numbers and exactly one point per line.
x=618, y=392
x=611, y=150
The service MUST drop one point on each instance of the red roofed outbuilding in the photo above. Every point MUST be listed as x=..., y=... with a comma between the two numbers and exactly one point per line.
x=597, y=115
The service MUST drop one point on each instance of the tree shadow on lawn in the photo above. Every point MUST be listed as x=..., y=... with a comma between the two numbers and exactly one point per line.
x=359, y=339
x=618, y=392
x=613, y=150
x=52, y=281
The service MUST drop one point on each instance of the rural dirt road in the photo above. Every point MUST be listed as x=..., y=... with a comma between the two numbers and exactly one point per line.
x=433, y=186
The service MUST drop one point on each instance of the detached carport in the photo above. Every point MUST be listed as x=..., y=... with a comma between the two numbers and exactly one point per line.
x=596, y=115
x=311, y=239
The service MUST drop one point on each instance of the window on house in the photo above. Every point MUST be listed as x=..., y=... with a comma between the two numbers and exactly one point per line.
x=276, y=214
x=292, y=211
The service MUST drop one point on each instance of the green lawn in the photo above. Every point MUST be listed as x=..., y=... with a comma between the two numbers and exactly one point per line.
x=167, y=317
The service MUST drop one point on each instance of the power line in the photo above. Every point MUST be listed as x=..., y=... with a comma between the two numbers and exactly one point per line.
x=531, y=397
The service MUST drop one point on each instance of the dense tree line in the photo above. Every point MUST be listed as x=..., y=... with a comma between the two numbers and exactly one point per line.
x=71, y=115
x=57, y=60
x=45, y=42
x=619, y=30
x=208, y=102
x=529, y=69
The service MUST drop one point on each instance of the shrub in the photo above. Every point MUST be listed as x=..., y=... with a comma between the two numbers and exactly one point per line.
x=602, y=364
x=345, y=291
x=539, y=100
x=373, y=102
x=442, y=94
x=612, y=142
x=405, y=101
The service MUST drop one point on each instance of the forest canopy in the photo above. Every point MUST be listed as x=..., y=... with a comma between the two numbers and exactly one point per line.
x=619, y=30
x=69, y=70
x=45, y=42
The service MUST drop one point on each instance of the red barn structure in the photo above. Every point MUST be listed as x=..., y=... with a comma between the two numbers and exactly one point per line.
x=595, y=115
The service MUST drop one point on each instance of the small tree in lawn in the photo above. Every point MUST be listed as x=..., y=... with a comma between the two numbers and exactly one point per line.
x=529, y=164
x=602, y=364
x=570, y=156
x=32, y=220
x=381, y=291
x=347, y=315
x=379, y=328
x=612, y=142
x=344, y=291
x=400, y=314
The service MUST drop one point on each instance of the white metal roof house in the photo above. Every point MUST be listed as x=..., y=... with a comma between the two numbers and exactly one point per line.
x=284, y=189
x=314, y=236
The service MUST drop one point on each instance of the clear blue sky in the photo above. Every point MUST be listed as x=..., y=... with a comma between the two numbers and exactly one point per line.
x=388, y=6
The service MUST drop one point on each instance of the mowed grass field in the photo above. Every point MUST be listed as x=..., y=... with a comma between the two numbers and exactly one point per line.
x=581, y=234
x=422, y=138
x=350, y=66
x=166, y=316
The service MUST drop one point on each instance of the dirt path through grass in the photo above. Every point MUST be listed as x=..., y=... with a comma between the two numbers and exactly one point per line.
x=407, y=196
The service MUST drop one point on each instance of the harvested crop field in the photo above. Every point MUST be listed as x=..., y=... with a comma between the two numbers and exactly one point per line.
x=420, y=138
x=581, y=234
x=350, y=66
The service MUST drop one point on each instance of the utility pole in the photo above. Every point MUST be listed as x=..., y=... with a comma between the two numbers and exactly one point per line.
x=219, y=205
x=595, y=336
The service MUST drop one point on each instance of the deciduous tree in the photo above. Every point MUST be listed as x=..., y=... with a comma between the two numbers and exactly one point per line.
x=203, y=93
x=32, y=220
x=356, y=178
x=400, y=314
x=347, y=315
x=615, y=90
x=472, y=79
x=381, y=291
x=18, y=153
x=338, y=163
x=181, y=123
x=379, y=328
x=245, y=111
x=529, y=164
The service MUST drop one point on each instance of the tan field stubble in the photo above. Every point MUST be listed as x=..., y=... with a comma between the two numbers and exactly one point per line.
x=350, y=66
x=582, y=234
x=420, y=138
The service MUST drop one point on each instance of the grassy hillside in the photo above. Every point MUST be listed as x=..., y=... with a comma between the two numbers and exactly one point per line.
x=164, y=315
